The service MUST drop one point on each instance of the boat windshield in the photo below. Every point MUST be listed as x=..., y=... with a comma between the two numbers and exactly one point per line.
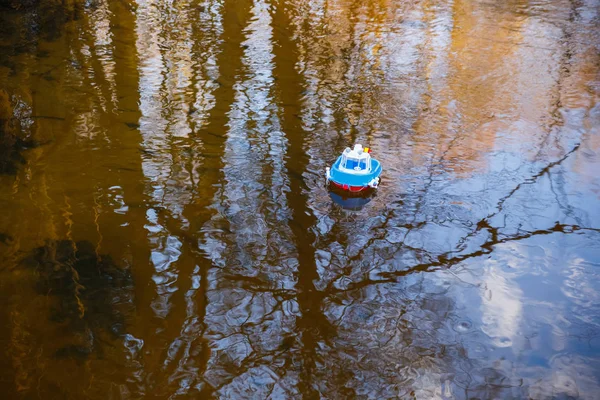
x=355, y=163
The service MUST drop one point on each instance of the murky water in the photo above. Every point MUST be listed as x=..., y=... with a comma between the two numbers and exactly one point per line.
x=169, y=234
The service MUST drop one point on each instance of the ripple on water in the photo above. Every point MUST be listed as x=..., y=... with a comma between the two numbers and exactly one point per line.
x=502, y=341
x=133, y=344
x=463, y=326
x=479, y=348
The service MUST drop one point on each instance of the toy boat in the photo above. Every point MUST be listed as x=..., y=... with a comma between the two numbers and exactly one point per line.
x=355, y=170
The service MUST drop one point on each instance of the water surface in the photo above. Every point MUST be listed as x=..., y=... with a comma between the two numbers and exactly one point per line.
x=170, y=234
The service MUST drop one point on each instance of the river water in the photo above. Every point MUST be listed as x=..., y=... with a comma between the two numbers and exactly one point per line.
x=169, y=235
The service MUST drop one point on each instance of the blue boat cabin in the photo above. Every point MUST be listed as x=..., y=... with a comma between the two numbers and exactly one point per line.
x=355, y=160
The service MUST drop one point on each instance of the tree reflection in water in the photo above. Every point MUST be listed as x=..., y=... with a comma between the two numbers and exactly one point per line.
x=182, y=146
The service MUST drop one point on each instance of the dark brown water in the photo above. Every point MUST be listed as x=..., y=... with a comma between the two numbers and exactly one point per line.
x=169, y=234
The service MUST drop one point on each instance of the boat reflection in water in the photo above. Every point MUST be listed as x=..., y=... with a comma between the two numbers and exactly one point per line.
x=348, y=200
